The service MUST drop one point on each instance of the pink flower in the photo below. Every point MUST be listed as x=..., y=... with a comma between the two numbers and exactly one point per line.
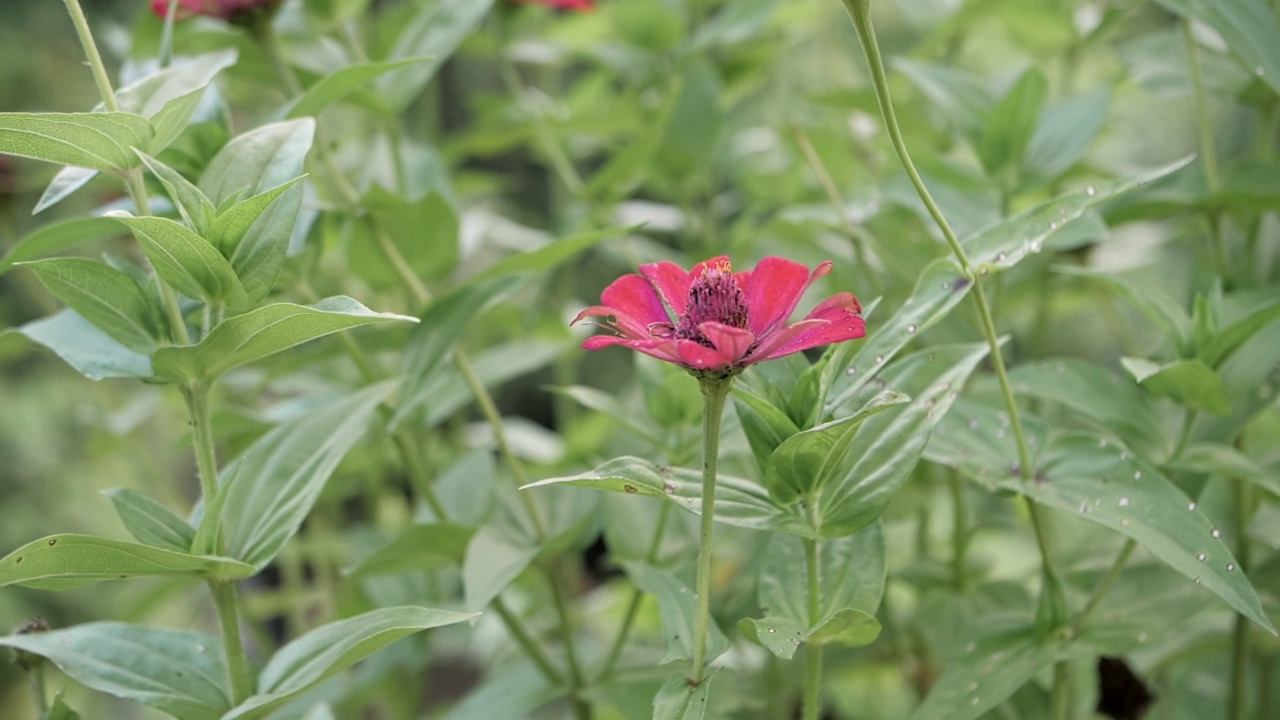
x=713, y=319
x=222, y=9
x=575, y=5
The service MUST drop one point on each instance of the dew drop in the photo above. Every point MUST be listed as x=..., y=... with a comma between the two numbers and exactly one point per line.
x=200, y=648
x=1215, y=533
x=1231, y=567
x=1259, y=71
x=851, y=371
x=1191, y=505
x=946, y=285
x=983, y=271
x=1053, y=226
x=911, y=329
x=1102, y=443
x=1202, y=557
x=974, y=701
x=1197, y=581
x=879, y=359
x=1124, y=502
x=1124, y=456
x=1090, y=191
x=773, y=630
x=1137, y=475
x=1124, y=522
x=1001, y=257
x=973, y=686
x=973, y=423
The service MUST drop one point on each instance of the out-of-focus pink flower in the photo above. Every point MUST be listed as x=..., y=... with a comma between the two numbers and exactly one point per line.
x=575, y=5
x=222, y=9
x=713, y=319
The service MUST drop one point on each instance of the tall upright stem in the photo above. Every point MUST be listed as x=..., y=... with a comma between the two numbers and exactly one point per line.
x=224, y=598
x=812, y=706
x=91, y=54
x=859, y=12
x=1208, y=152
x=714, y=394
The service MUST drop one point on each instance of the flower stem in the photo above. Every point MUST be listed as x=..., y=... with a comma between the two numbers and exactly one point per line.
x=224, y=598
x=714, y=394
x=197, y=397
x=812, y=707
x=91, y=54
x=1104, y=585
x=166, y=35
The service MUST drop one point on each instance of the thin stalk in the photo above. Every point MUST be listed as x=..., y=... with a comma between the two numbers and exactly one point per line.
x=197, y=398
x=633, y=607
x=91, y=54
x=812, y=706
x=1240, y=645
x=714, y=394
x=526, y=641
x=224, y=598
x=576, y=679
x=1184, y=436
x=1103, y=586
x=1208, y=152
x=1060, y=694
x=166, y=34
x=38, y=693
x=959, y=532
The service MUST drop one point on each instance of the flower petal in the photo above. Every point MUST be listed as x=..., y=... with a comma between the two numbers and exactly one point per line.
x=623, y=322
x=836, y=319
x=774, y=290
x=671, y=283
x=730, y=341
x=635, y=296
x=686, y=353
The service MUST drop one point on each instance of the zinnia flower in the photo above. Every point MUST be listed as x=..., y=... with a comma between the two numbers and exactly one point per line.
x=712, y=319
x=221, y=9
x=575, y=5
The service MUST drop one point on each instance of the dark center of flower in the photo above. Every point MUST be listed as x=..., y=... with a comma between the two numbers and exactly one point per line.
x=714, y=296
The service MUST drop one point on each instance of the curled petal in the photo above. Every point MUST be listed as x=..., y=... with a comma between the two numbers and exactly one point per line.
x=671, y=282
x=622, y=322
x=730, y=341
x=836, y=319
x=635, y=296
x=681, y=352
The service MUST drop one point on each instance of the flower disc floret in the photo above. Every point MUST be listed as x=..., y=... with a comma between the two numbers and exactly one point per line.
x=711, y=319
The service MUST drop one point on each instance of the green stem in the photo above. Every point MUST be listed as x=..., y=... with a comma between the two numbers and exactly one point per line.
x=581, y=708
x=269, y=43
x=526, y=642
x=1060, y=695
x=91, y=54
x=1184, y=436
x=714, y=394
x=1208, y=152
x=1240, y=645
x=633, y=607
x=166, y=35
x=224, y=598
x=812, y=706
x=959, y=531
x=197, y=398
x=1103, y=586
x=38, y=693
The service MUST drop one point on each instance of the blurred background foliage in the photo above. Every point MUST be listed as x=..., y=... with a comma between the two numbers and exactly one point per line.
x=702, y=120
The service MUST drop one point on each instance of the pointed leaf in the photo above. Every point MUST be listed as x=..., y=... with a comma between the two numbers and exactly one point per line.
x=977, y=439
x=150, y=95
x=254, y=233
x=334, y=87
x=332, y=648
x=1249, y=28
x=1065, y=130
x=1226, y=342
x=185, y=260
x=59, y=562
x=417, y=548
x=259, y=160
x=195, y=208
x=677, y=607
x=95, y=141
x=1190, y=382
x=177, y=672
x=262, y=332
x=104, y=296
x=994, y=669
x=679, y=700
x=67, y=181
x=1013, y=120
x=430, y=37
x=58, y=236
x=80, y=344
x=270, y=488
x=150, y=522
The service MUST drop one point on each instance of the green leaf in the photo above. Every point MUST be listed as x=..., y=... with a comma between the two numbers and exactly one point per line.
x=173, y=119
x=67, y=181
x=254, y=234
x=695, y=124
x=417, y=548
x=96, y=141
x=58, y=236
x=734, y=23
x=1100, y=395
x=1226, y=462
x=442, y=323
x=270, y=488
x=149, y=96
x=425, y=231
x=609, y=405
x=1226, y=342
x=994, y=668
x=150, y=522
x=332, y=648
x=1012, y=121
x=263, y=158
x=515, y=690
x=59, y=710
x=1157, y=305
x=738, y=502
x=1065, y=130
x=978, y=440
x=547, y=257
x=493, y=561
x=59, y=562
x=847, y=627
x=334, y=87
x=258, y=333
x=677, y=607
x=765, y=425
x=807, y=461
x=1190, y=382
x=185, y=260
x=195, y=208
x=887, y=447
x=177, y=672
x=678, y=700
x=1101, y=482
x=433, y=33
x=958, y=97
x=1248, y=27
x=104, y=296
x=1009, y=241
x=940, y=288
x=80, y=344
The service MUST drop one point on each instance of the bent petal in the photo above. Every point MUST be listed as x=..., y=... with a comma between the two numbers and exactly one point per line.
x=666, y=350
x=622, y=322
x=671, y=283
x=775, y=289
x=701, y=357
x=635, y=296
x=836, y=319
x=730, y=341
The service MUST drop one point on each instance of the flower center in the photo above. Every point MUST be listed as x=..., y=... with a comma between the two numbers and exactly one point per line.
x=713, y=297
